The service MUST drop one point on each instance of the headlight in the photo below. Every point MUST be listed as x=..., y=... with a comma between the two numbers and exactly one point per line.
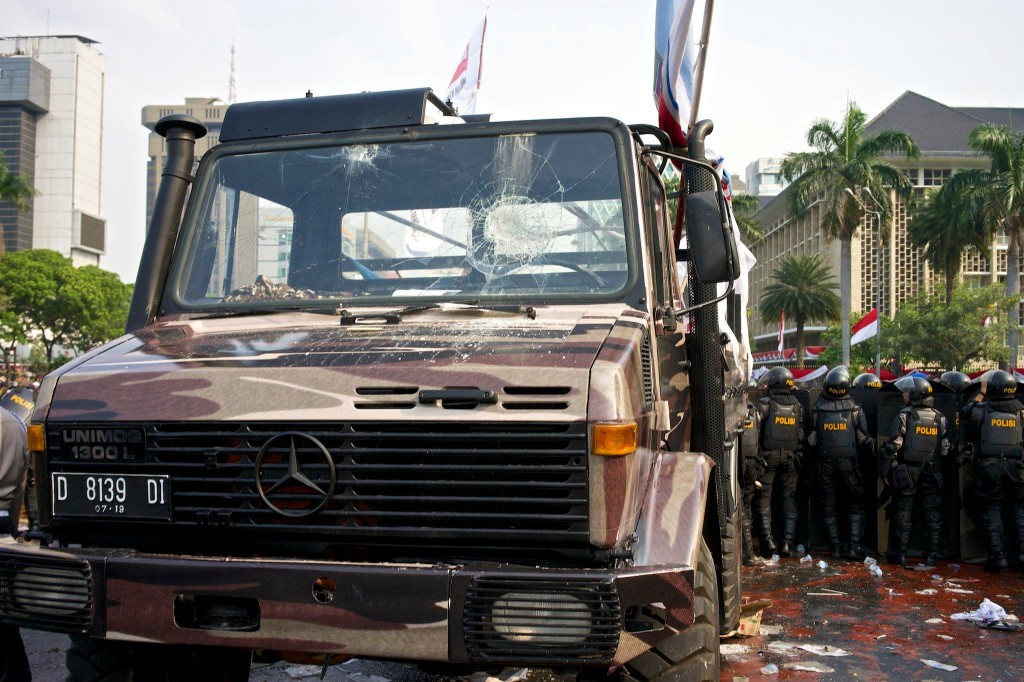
x=541, y=618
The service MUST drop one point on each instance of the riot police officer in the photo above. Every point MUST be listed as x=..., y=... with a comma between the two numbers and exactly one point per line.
x=909, y=464
x=994, y=429
x=14, y=666
x=753, y=465
x=781, y=439
x=839, y=433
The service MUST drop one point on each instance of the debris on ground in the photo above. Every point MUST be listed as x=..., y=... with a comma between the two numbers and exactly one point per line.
x=506, y=675
x=751, y=613
x=987, y=611
x=875, y=570
x=938, y=666
x=935, y=621
x=806, y=559
x=770, y=630
x=297, y=672
x=958, y=590
x=734, y=649
x=770, y=669
x=945, y=637
x=824, y=650
x=809, y=666
x=927, y=592
x=785, y=648
x=822, y=565
x=999, y=625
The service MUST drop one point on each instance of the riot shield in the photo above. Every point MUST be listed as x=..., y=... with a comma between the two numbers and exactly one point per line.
x=946, y=401
x=890, y=402
x=806, y=475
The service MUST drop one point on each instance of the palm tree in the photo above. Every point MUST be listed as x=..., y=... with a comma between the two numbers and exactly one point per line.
x=15, y=189
x=995, y=197
x=944, y=225
x=845, y=158
x=804, y=287
x=744, y=208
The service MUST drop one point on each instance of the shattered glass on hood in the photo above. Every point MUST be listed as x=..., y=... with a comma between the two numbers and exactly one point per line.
x=521, y=216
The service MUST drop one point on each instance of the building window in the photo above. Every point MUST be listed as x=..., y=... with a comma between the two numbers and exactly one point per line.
x=934, y=177
x=913, y=176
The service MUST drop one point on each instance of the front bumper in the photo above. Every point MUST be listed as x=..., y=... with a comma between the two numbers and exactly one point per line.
x=456, y=613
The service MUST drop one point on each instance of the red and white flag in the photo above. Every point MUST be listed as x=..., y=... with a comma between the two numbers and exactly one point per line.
x=675, y=59
x=466, y=81
x=866, y=328
x=782, y=331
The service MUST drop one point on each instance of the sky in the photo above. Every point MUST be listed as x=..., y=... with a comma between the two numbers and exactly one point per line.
x=773, y=67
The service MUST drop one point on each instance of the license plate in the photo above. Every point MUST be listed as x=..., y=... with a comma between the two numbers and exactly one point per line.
x=119, y=496
x=103, y=444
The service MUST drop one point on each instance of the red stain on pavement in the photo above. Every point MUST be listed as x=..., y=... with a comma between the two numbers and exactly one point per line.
x=881, y=621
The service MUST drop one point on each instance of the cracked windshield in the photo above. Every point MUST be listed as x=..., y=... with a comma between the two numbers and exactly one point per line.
x=515, y=217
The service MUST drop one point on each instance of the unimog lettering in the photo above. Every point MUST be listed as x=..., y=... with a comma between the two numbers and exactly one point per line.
x=395, y=389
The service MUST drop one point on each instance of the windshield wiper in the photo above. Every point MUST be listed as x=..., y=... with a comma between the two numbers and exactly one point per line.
x=244, y=312
x=395, y=316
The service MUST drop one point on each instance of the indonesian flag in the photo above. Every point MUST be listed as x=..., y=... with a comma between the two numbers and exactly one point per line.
x=866, y=328
x=466, y=81
x=675, y=60
x=782, y=331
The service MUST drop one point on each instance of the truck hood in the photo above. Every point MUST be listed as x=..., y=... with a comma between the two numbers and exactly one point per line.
x=299, y=366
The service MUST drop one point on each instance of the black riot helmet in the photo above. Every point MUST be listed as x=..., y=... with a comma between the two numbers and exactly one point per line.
x=867, y=380
x=957, y=381
x=837, y=382
x=1001, y=386
x=917, y=390
x=778, y=380
x=750, y=385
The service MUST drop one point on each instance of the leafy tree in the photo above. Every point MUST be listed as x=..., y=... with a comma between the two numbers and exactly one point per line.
x=944, y=226
x=804, y=289
x=934, y=334
x=844, y=157
x=995, y=197
x=12, y=332
x=76, y=308
x=862, y=355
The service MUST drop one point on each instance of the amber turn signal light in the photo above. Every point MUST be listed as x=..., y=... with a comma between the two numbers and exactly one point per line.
x=36, y=438
x=614, y=439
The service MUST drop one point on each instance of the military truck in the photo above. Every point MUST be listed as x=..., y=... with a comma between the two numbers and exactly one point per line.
x=399, y=384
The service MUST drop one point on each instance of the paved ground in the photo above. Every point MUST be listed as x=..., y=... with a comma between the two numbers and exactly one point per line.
x=881, y=621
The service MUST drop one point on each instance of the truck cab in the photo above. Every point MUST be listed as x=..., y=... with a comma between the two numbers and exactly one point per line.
x=398, y=385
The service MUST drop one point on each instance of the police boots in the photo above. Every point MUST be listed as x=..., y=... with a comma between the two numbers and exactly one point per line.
x=856, y=551
x=992, y=522
x=767, y=544
x=748, y=542
x=934, y=537
x=788, y=533
x=832, y=526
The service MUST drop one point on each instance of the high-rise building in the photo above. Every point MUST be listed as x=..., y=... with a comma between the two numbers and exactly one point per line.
x=764, y=178
x=892, y=265
x=51, y=129
x=209, y=110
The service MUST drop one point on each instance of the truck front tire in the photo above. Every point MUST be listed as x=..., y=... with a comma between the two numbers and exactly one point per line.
x=692, y=654
x=99, y=660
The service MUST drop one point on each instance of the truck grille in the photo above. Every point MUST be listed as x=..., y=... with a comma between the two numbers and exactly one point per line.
x=449, y=480
x=45, y=593
x=565, y=621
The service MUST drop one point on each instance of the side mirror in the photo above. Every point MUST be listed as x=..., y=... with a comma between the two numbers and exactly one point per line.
x=711, y=247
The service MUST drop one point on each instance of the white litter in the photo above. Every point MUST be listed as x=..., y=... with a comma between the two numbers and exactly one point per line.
x=958, y=590
x=734, y=649
x=824, y=650
x=506, y=675
x=809, y=666
x=806, y=559
x=870, y=561
x=297, y=672
x=822, y=565
x=771, y=629
x=945, y=637
x=785, y=648
x=935, y=621
x=988, y=611
x=770, y=669
x=938, y=666
x=927, y=592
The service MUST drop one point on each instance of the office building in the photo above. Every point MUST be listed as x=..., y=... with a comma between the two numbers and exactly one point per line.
x=764, y=178
x=51, y=129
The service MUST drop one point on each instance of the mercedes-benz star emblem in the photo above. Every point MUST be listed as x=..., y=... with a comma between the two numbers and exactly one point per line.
x=282, y=487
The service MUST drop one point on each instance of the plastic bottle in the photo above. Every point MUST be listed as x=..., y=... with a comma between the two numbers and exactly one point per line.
x=822, y=565
x=806, y=559
x=876, y=571
x=870, y=561
x=770, y=669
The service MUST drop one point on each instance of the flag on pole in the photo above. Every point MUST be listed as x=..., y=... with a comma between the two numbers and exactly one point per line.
x=466, y=81
x=866, y=328
x=675, y=61
x=782, y=331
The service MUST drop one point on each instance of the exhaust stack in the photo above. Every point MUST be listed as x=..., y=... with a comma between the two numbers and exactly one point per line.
x=181, y=133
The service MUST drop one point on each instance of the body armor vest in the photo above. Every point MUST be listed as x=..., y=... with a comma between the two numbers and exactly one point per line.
x=1000, y=434
x=781, y=427
x=922, y=437
x=837, y=434
x=748, y=441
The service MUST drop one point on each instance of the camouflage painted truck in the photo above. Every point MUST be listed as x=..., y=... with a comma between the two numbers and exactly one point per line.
x=399, y=384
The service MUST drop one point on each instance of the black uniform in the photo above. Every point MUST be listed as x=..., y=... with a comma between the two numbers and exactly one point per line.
x=753, y=466
x=909, y=464
x=994, y=428
x=840, y=431
x=781, y=439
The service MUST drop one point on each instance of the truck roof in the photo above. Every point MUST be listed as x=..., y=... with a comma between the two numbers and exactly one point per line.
x=334, y=113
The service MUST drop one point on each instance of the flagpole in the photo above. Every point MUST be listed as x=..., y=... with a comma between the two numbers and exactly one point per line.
x=698, y=81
